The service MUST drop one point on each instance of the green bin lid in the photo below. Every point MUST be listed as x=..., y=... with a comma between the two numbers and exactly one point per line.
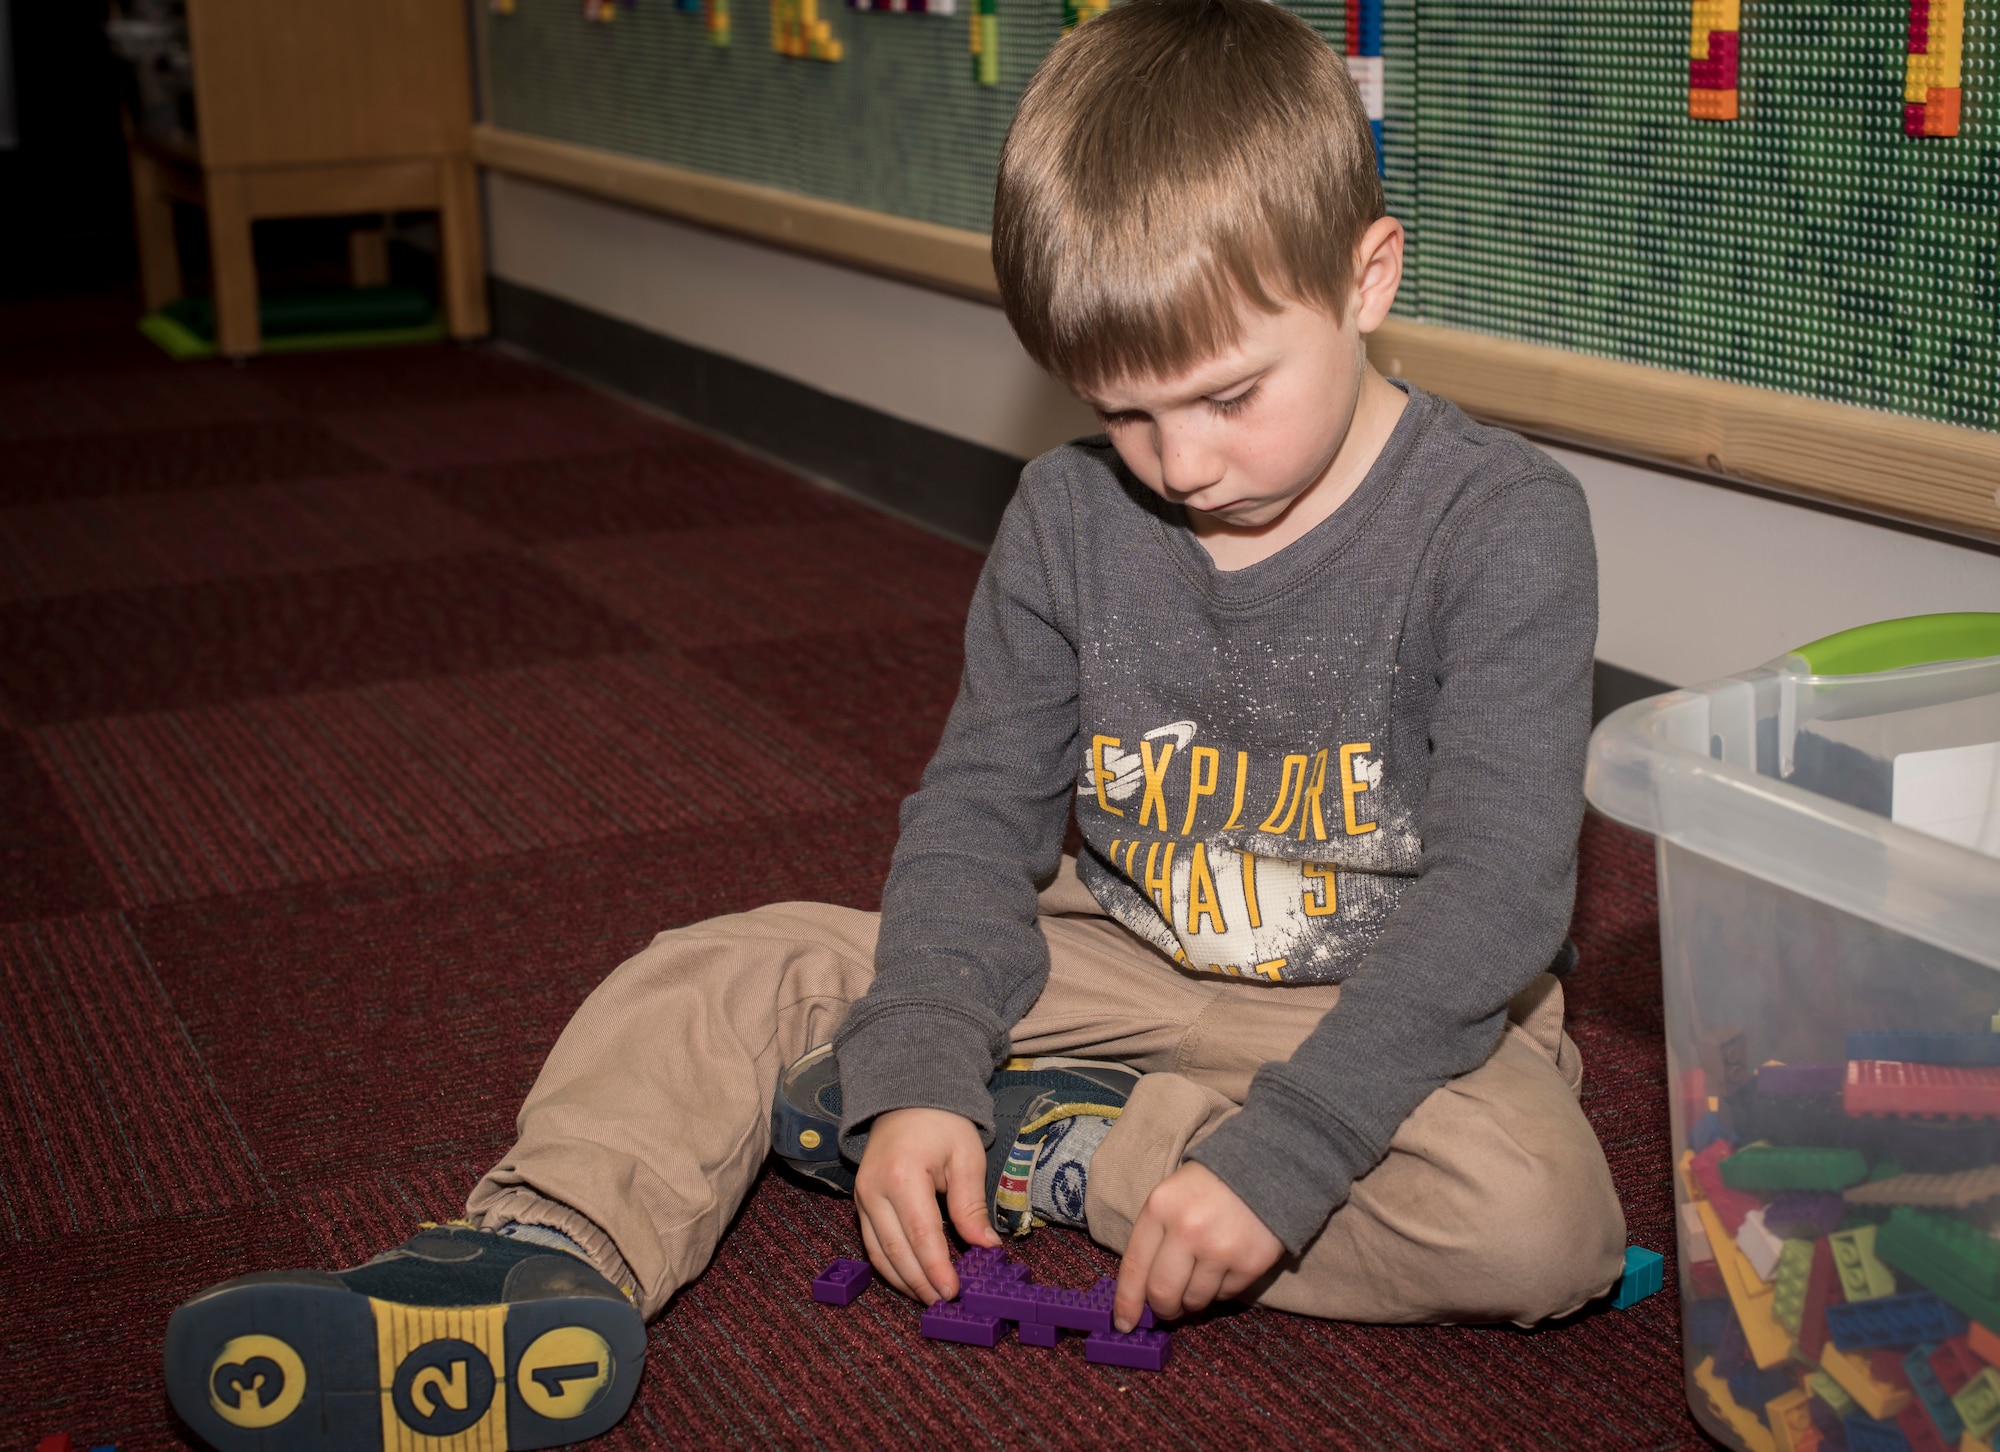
x=1915, y=640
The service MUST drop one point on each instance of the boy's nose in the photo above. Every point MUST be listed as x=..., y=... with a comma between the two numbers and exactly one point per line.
x=1185, y=466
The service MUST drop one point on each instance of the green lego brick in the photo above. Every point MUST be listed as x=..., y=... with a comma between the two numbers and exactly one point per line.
x=1789, y=1283
x=1771, y=1167
x=1958, y=1261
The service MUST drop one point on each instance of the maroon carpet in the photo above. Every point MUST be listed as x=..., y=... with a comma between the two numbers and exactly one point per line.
x=358, y=712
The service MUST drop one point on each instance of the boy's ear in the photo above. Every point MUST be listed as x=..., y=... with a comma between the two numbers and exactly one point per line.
x=1378, y=273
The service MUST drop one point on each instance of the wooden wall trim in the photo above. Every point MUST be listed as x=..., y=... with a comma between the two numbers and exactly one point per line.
x=1908, y=468
x=944, y=257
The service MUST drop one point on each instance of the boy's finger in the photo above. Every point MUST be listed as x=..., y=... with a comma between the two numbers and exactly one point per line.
x=891, y=1233
x=1204, y=1285
x=1134, y=1270
x=965, y=1195
x=928, y=1244
x=1167, y=1283
x=878, y=1258
x=920, y=1244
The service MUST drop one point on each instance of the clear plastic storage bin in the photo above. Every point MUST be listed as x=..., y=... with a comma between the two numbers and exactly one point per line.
x=1828, y=833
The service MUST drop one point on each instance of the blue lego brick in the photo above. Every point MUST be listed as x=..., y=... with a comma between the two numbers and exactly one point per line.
x=1706, y=1320
x=1930, y=1391
x=1925, y=1048
x=1643, y=1272
x=1707, y=1130
x=1753, y=1388
x=1901, y=1320
x=1370, y=28
x=1865, y=1434
x=1381, y=165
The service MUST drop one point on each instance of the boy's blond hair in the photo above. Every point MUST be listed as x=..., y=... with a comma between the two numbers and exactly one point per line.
x=1169, y=161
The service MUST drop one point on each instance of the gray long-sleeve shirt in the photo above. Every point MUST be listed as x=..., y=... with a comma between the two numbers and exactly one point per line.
x=1357, y=761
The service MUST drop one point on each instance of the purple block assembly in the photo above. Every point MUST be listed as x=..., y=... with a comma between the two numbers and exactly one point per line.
x=842, y=1281
x=1804, y=1214
x=1140, y=1350
x=947, y=1321
x=1784, y=1079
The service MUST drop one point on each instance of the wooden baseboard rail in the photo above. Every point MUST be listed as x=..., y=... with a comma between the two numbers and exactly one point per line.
x=1908, y=468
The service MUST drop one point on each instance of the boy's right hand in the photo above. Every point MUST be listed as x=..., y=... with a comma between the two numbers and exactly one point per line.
x=913, y=1156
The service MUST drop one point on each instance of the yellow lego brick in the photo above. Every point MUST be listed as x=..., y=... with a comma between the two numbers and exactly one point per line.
x=1770, y=1343
x=1880, y=1399
x=1742, y=1421
x=1790, y=1420
x=1862, y=1276
x=1698, y=43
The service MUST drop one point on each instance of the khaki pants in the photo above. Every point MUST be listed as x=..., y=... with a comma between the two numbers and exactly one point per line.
x=652, y=1115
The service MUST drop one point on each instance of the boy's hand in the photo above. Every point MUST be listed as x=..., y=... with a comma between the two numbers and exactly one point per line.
x=913, y=1156
x=1195, y=1241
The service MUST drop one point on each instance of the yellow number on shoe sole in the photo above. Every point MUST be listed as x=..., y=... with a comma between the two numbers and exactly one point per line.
x=441, y=1377
x=562, y=1372
x=256, y=1381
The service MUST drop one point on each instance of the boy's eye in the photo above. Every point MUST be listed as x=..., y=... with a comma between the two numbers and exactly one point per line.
x=1233, y=404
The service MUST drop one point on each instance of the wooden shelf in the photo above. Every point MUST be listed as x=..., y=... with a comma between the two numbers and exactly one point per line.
x=1885, y=463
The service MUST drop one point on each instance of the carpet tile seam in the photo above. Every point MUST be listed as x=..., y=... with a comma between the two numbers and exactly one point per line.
x=195, y=1057
x=66, y=999
x=336, y=755
x=125, y=877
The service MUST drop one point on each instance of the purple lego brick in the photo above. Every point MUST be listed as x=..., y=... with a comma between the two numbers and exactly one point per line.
x=1782, y=1079
x=947, y=1321
x=1078, y=1310
x=981, y=1259
x=1033, y=1333
x=1140, y=1350
x=842, y=1281
x=1804, y=1214
x=1009, y=1300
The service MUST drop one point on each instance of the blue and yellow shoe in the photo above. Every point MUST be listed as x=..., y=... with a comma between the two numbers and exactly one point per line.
x=1030, y=1098
x=456, y=1340
x=1034, y=1102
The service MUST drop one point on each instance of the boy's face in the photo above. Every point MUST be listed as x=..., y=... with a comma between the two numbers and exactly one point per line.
x=1241, y=438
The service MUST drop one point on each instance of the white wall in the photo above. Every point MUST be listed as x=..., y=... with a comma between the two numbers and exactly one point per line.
x=1697, y=581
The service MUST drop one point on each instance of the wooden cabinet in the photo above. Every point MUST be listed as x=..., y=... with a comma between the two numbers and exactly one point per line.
x=316, y=108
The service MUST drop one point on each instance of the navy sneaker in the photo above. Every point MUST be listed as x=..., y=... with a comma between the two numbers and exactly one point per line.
x=457, y=1334
x=1030, y=1097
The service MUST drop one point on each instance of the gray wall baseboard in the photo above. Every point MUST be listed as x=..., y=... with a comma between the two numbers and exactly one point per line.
x=944, y=483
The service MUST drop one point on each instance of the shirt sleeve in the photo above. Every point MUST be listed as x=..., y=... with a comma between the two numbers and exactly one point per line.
x=961, y=957
x=1514, y=625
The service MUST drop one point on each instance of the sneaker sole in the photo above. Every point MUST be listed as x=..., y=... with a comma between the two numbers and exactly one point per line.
x=298, y=1366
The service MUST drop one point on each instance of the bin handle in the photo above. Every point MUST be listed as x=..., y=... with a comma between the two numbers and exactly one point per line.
x=1914, y=640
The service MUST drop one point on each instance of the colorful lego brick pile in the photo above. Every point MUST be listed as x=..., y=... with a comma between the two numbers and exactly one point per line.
x=1931, y=78
x=1841, y=1278
x=1712, y=52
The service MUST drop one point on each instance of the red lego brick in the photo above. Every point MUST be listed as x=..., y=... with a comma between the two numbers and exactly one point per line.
x=1822, y=1290
x=1954, y=1364
x=1730, y=1205
x=1890, y=1087
x=1887, y=1365
x=1920, y=27
x=1708, y=1282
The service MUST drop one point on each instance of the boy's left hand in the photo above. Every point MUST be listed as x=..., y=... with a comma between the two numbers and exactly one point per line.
x=1195, y=1241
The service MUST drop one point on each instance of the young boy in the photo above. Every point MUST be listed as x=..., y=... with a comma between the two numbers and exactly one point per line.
x=1308, y=654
